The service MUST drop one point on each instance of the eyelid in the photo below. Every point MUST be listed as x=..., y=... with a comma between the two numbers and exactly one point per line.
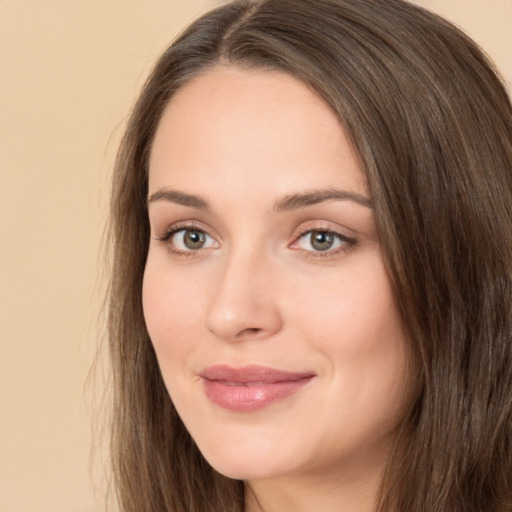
x=323, y=225
x=348, y=242
x=169, y=229
x=166, y=235
x=177, y=240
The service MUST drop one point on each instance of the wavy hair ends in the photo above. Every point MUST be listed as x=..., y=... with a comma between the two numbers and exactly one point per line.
x=431, y=124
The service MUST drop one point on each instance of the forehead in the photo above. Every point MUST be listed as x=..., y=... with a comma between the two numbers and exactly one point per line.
x=242, y=126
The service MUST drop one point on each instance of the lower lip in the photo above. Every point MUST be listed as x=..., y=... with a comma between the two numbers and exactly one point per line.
x=247, y=397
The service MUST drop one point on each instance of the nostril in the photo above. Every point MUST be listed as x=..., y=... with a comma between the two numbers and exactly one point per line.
x=249, y=331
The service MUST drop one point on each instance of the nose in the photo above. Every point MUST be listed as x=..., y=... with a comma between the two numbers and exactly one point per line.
x=244, y=304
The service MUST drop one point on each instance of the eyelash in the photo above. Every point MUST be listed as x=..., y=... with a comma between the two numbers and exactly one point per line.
x=348, y=242
x=166, y=236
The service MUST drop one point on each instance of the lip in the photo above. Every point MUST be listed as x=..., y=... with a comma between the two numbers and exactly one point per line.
x=252, y=387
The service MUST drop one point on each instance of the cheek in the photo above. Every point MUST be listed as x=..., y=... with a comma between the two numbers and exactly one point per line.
x=354, y=324
x=171, y=310
x=353, y=313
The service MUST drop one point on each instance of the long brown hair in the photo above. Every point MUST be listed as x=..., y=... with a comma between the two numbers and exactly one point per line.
x=431, y=124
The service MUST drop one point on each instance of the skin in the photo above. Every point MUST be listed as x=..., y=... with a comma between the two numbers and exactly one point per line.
x=259, y=291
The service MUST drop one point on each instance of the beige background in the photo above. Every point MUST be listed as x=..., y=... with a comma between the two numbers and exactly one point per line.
x=70, y=70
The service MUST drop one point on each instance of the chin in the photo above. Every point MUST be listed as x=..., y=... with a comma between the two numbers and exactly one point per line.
x=244, y=470
x=243, y=463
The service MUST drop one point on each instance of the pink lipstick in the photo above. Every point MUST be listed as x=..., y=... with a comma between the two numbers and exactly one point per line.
x=250, y=388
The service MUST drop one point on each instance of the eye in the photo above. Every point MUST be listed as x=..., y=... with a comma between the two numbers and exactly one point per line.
x=188, y=239
x=323, y=241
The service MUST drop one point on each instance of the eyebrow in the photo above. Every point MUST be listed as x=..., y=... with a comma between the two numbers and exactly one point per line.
x=287, y=203
x=310, y=198
x=173, y=196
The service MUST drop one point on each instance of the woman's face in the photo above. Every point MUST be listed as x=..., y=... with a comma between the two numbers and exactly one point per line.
x=265, y=293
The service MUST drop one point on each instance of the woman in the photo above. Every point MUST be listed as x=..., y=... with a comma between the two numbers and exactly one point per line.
x=310, y=305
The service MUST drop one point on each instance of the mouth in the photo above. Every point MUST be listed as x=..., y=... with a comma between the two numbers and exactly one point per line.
x=250, y=388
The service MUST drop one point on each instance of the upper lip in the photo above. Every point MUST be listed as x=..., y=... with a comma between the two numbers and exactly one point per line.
x=251, y=374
